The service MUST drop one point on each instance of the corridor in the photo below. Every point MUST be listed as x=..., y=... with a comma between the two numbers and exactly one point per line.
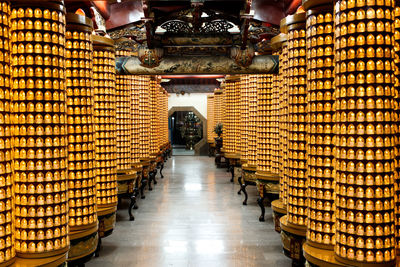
x=193, y=217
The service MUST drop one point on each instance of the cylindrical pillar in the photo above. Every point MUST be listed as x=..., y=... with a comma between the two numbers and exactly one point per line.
x=219, y=120
x=40, y=131
x=264, y=99
x=230, y=115
x=160, y=116
x=124, y=85
x=267, y=181
x=136, y=127
x=231, y=143
x=210, y=119
x=218, y=98
x=320, y=138
x=396, y=102
x=364, y=156
x=165, y=118
x=144, y=105
x=284, y=116
x=153, y=93
x=135, y=115
x=105, y=132
x=267, y=130
x=236, y=109
x=161, y=98
x=126, y=175
x=83, y=223
x=293, y=225
x=278, y=207
x=154, y=148
x=145, y=116
x=274, y=124
x=160, y=158
x=250, y=153
x=244, y=117
x=7, y=238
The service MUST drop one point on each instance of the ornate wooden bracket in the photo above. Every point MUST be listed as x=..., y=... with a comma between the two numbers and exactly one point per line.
x=150, y=58
x=243, y=57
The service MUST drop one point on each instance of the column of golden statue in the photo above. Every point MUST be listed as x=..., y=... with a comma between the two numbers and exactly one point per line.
x=326, y=131
x=70, y=135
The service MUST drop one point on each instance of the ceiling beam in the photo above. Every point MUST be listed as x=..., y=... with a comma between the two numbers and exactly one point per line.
x=197, y=65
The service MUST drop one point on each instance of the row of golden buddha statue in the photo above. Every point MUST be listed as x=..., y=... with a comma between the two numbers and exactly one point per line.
x=322, y=142
x=71, y=138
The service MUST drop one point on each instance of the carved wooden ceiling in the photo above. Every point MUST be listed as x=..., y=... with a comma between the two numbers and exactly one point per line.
x=192, y=27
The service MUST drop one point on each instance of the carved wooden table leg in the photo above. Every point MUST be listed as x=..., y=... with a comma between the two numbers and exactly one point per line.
x=268, y=188
x=150, y=180
x=240, y=184
x=136, y=190
x=136, y=195
x=243, y=186
x=145, y=176
x=131, y=206
x=161, y=169
x=127, y=188
x=142, y=187
x=97, y=252
x=154, y=176
x=232, y=171
x=260, y=202
x=248, y=178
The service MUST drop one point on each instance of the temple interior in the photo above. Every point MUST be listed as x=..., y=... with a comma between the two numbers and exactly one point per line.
x=200, y=133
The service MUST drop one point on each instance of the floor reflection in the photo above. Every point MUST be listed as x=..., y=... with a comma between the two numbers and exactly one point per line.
x=209, y=246
x=192, y=187
x=193, y=217
x=176, y=246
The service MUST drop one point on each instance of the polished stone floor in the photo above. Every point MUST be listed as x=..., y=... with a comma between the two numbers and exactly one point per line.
x=182, y=152
x=193, y=217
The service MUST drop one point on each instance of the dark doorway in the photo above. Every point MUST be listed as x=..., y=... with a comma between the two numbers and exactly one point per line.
x=187, y=129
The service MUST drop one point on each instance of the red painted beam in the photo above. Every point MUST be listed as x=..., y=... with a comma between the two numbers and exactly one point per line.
x=268, y=11
x=103, y=7
x=293, y=7
x=272, y=11
x=124, y=13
